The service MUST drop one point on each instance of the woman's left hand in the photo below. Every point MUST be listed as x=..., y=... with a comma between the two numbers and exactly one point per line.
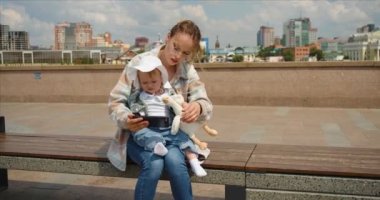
x=190, y=112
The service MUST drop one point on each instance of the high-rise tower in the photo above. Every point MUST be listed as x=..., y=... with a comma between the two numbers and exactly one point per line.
x=72, y=35
x=13, y=40
x=265, y=36
x=298, y=32
x=4, y=37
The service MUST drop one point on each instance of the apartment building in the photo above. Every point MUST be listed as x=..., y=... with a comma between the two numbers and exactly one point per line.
x=298, y=32
x=265, y=36
x=72, y=36
x=13, y=40
x=4, y=37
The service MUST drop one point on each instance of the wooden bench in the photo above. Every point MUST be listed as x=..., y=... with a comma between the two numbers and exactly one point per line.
x=87, y=155
x=310, y=172
x=248, y=171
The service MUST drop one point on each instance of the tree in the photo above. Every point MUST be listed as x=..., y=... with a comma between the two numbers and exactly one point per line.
x=267, y=51
x=237, y=58
x=288, y=55
x=317, y=52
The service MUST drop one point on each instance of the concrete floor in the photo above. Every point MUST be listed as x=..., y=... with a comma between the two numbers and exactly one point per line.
x=251, y=124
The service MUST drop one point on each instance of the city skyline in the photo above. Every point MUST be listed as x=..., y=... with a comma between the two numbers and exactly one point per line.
x=234, y=22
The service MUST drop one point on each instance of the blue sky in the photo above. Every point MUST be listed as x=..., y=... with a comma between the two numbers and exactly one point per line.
x=235, y=22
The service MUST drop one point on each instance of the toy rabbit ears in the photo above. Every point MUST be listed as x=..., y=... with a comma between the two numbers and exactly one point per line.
x=146, y=63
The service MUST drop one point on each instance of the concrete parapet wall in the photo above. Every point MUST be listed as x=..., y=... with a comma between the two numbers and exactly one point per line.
x=314, y=84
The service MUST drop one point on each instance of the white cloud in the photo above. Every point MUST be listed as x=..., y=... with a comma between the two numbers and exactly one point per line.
x=40, y=32
x=97, y=17
x=331, y=18
x=342, y=12
x=194, y=11
x=11, y=17
x=235, y=22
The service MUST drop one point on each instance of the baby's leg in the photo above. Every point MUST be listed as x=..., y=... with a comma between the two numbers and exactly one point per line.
x=151, y=141
x=195, y=164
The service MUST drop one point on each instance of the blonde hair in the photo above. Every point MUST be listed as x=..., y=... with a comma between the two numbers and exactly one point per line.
x=190, y=28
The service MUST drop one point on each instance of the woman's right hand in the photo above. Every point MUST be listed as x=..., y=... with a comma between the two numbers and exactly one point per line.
x=134, y=124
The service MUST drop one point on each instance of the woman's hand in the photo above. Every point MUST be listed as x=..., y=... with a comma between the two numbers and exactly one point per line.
x=190, y=112
x=134, y=124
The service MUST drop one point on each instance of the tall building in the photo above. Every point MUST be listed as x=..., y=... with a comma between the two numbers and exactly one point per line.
x=366, y=28
x=4, y=37
x=265, y=36
x=71, y=36
x=59, y=35
x=298, y=32
x=204, y=43
x=13, y=40
x=18, y=40
x=103, y=40
x=83, y=34
x=313, y=35
x=107, y=38
x=99, y=41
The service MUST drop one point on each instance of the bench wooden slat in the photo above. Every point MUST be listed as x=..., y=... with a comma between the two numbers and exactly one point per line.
x=334, y=161
x=49, y=145
x=76, y=148
x=348, y=160
x=49, y=139
x=232, y=156
x=52, y=143
x=224, y=155
x=58, y=147
x=57, y=155
x=314, y=170
x=315, y=150
x=223, y=164
x=37, y=135
x=232, y=145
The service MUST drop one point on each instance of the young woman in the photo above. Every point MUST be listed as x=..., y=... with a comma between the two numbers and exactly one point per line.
x=182, y=44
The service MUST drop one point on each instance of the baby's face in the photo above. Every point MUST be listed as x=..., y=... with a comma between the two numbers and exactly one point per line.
x=150, y=83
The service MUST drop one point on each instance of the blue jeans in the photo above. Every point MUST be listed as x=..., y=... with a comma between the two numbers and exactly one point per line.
x=149, y=137
x=151, y=168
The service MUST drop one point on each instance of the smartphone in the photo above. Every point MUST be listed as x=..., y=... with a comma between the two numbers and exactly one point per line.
x=154, y=121
x=145, y=118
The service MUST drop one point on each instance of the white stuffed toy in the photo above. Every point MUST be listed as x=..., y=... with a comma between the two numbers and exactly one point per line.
x=175, y=102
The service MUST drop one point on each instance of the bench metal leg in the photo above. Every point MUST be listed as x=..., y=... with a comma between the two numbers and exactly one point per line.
x=233, y=192
x=3, y=172
x=3, y=179
x=2, y=124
